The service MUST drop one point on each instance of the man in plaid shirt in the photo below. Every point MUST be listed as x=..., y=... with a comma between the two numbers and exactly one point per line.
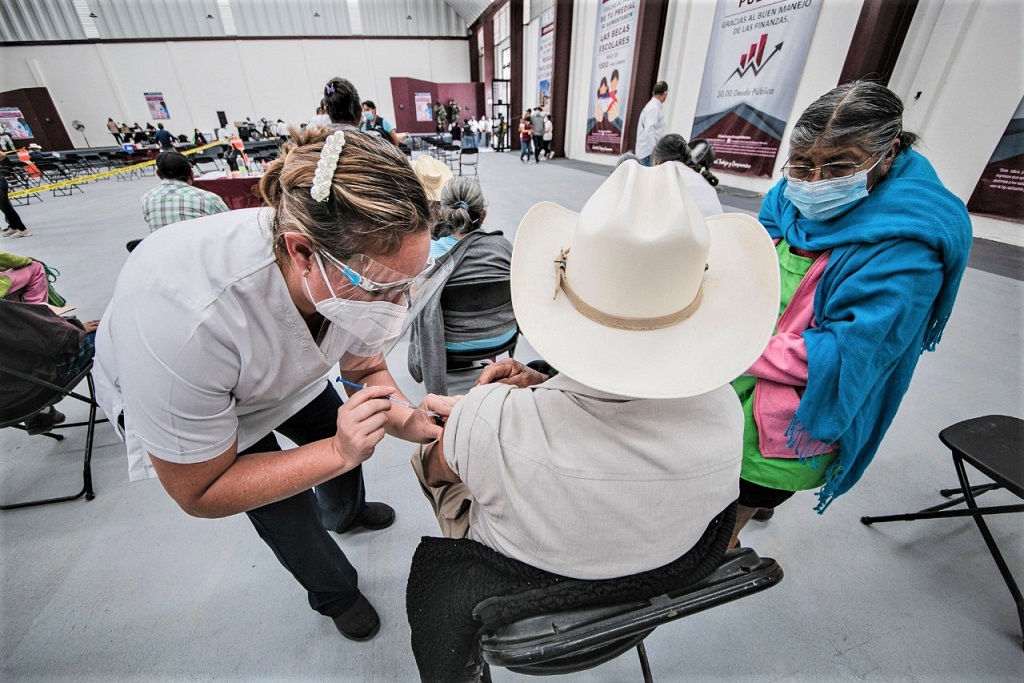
x=174, y=199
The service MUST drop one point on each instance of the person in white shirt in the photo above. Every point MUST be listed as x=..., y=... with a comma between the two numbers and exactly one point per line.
x=672, y=148
x=222, y=330
x=618, y=464
x=486, y=130
x=322, y=118
x=651, y=125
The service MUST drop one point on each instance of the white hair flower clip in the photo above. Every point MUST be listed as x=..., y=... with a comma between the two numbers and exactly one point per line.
x=324, y=175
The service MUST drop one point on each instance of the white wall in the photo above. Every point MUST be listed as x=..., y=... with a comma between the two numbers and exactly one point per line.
x=964, y=56
x=257, y=78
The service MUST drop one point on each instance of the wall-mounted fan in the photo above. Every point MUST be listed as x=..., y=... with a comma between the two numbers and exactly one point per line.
x=80, y=127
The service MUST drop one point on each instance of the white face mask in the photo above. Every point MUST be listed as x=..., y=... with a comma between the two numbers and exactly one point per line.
x=362, y=328
x=826, y=199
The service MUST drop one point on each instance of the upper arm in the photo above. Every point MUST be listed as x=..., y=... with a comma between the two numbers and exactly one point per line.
x=186, y=483
x=436, y=469
x=217, y=205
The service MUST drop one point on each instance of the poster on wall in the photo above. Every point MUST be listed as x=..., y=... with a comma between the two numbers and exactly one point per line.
x=755, y=60
x=1000, y=191
x=157, y=106
x=545, y=59
x=610, y=75
x=14, y=120
x=424, y=108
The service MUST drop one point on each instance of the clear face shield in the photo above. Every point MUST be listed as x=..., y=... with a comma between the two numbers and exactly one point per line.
x=371, y=306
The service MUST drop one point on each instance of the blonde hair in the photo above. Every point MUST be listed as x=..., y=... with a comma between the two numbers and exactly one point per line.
x=375, y=202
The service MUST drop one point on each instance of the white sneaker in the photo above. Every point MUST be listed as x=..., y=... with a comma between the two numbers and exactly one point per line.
x=21, y=233
x=6, y=232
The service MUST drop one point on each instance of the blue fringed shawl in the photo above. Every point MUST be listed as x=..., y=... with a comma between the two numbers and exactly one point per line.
x=884, y=298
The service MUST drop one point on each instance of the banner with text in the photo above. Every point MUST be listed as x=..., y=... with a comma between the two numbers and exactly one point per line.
x=755, y=60
x=14, y=121
x=1000, y=191
x=545, y=59
x=611, y=74
x=157, y=106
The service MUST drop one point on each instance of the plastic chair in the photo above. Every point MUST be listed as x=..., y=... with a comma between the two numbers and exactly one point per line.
x=566, y=642
x=994, y=445
x=59, y=393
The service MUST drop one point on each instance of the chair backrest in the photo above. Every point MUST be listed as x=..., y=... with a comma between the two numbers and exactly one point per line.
x=35, y=340
x=476, y=297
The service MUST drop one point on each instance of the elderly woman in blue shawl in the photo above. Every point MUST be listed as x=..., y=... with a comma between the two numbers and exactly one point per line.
x=882, y=245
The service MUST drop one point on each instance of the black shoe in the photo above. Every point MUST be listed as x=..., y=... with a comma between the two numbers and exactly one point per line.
x=764, y=514
x=374, y=517
x=44, y=421
x=360, y=622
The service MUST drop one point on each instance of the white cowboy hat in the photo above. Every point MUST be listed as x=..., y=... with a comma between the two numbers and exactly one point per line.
x=433, y=174
x=656, y=301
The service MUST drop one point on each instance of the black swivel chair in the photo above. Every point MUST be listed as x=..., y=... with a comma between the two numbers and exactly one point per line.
x=994, y=445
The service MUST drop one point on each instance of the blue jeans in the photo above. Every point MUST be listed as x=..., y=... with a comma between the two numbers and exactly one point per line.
x=524, y=150
x=296, y=528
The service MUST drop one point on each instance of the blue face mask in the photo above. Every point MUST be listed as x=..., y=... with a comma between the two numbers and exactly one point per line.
x=368, y=115
x=828, y=198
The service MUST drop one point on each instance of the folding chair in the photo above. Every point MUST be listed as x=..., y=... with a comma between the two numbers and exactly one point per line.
x=202, y=158
x=477, y=298
x=59, y=393
x=450, y=155
x=55, y=172
x=577, y=640
x=17, y=180
x=469, y=156
x=466, y=600
x=994, y=445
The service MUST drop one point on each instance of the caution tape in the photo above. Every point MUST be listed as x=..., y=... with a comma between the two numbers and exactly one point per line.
x=102, y=174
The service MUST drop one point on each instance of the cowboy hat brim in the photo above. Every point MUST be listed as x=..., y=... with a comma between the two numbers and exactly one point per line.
x=717, y=343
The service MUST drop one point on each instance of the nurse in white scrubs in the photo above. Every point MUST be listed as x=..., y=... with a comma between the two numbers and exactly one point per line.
x=222, y=330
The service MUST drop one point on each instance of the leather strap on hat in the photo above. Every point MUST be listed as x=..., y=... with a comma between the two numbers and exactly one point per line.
x=619, y=322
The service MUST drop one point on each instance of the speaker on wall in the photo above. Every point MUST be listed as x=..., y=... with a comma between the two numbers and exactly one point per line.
x=223, y=119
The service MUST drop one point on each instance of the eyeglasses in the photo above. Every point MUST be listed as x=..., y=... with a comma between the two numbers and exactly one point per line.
x=367, y=267
x=830, y=171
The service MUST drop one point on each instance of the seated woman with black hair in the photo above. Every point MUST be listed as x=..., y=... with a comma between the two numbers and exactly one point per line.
x=673, y=147
x=478, y=257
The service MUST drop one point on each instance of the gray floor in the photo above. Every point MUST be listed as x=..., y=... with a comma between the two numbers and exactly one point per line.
x=128, y=587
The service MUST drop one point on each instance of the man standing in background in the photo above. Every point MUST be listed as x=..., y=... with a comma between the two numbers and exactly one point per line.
x=651, y=126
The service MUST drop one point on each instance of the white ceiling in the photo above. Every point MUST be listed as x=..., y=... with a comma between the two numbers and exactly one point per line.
x=62, y=20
